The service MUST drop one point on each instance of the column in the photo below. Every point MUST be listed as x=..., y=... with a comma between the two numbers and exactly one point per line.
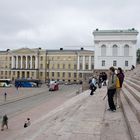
x=21, y=61
x=83, y=62
x=89, y=63
x=26, y=62
x=36, y=62
x=31, y=62
x=16, y=62
x=12, y=62
x=78, y=63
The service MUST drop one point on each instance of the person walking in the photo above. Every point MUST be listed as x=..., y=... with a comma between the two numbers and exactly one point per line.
x=111, y=89
x=4, y=122
x=120, y=79
x=93, y=85
x=27, y=123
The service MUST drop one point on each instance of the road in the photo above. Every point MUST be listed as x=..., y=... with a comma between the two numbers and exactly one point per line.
x=18, y=107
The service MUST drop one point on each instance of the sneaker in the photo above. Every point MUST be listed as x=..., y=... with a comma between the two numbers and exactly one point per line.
x=113, y=110
x=118, y=107
x=108, y=109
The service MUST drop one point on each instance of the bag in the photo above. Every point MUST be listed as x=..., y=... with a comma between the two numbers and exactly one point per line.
x=117, y=83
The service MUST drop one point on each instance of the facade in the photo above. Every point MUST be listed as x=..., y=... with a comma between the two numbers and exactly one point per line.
x=115, y=48
x=64, y=65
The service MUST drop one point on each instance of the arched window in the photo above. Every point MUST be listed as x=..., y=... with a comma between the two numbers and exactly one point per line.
x=103, y=50
x=115, y=50
x=126, y=50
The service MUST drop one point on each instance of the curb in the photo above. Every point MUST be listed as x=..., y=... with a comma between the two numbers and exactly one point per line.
x=14, y=100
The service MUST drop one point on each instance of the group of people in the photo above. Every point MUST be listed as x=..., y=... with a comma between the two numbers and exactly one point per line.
x=5, y=122
x=97, y=81
x=115, y=80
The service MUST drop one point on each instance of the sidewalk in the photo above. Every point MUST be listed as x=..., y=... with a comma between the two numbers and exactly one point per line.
x=13, y=94
x=83, y=117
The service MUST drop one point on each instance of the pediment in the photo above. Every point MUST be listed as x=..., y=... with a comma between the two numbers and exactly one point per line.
x=24, y=51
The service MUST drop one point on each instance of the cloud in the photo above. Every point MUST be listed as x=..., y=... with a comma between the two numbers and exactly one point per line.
x=61, y=23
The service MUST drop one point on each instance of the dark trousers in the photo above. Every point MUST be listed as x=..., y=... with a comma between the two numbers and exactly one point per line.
x=93, y=88
x=111, y=93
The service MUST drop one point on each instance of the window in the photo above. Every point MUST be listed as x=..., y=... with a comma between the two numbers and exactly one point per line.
x=58, y=66
x=103, y=62
x=75, y=66
x=41, y=73
x=103, y=50
x=63, y=66
x=114, y=63
x=69, y=66
x=32, y=73
x=80, y=65
x=92, y=58
x=75, y=75
x=126, y=63
x=52, y=74
x=80, y=75
x=86, y=66
x=92, y=66
x=126, y=50
x=41, y=58
x=115, y=50
x=58, y=74
x=63, y=74
x=69, y=74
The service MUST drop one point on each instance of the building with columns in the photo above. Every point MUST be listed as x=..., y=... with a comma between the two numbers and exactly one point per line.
x=69, y=65
x=65, y=65
x=115, y=48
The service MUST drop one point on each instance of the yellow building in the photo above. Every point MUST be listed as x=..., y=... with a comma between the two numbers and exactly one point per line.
x=64, y=65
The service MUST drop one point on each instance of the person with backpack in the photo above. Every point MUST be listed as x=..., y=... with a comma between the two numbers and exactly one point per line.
x=119, y=83
x=111, y=89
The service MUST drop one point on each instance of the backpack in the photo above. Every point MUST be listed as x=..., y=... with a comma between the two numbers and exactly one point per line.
x=117, y=83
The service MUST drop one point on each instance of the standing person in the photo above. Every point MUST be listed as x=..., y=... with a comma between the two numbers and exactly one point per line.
x=120, y=76
x=111, y=88
x=100, y=80
x=5, y=96
x=4, y=122
x=93, y=86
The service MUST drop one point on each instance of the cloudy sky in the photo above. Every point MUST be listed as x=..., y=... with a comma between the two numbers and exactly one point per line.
x=52, y=24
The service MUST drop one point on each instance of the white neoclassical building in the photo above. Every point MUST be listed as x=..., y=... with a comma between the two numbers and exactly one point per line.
x=115, y=48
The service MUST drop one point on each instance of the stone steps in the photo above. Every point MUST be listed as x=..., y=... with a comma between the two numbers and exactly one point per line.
x=130, y=101
x=136, y=77
x=132, y=79
x=133, y=91
x=132, y=84
x=134, y=104
x=131, y=119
